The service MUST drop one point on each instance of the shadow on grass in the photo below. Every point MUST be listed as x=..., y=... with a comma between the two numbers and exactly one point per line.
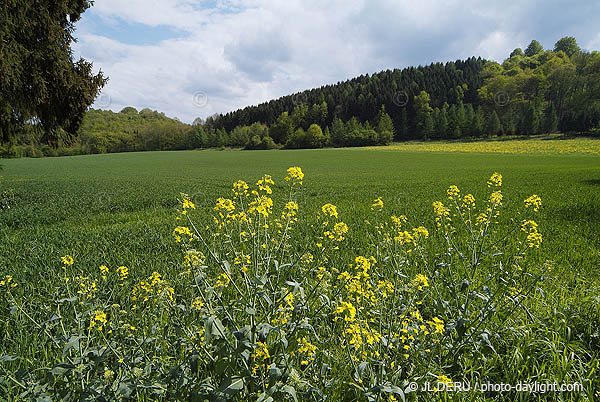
x=592, y=182
x=581, y=212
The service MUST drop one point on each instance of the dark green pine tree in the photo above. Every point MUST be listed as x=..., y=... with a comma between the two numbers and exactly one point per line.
x=39, y=79
x=454, y=128
x=385, y=127
x=530, y=119
x=478, y=123
x=494, y=126
x=403, y=127
x=443, y=122
x=469, y=116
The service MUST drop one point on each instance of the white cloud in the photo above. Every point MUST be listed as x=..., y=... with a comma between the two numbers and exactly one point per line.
x=242, y=52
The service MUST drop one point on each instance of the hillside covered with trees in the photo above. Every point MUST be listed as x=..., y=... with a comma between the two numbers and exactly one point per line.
x=534, y=91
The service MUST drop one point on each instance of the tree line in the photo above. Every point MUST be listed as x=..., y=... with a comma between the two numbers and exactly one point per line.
x=531, y=92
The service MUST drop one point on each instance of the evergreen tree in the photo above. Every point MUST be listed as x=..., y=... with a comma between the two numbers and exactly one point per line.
x=403, y=131
x=338, y=133
x=39, y=79
x=454, y=127
x=423, y=114
x=385, y=127
x=469, y=117
x=493, y=127
x=530, y=120
x=478, y=123
x=461, y=119
x=443, y=122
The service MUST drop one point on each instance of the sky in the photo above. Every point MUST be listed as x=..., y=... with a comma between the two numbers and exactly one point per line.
x=195, y=58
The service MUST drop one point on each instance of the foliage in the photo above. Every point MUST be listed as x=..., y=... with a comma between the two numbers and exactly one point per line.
x=256, y=314
x=39, y=80
x=115, y=210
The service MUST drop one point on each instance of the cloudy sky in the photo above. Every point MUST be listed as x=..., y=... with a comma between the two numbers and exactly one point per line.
x=194, y=58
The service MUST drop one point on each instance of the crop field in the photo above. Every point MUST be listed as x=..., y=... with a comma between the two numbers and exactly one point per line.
x=152, y=276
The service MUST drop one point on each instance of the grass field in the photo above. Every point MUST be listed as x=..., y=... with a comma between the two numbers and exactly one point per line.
x=119, y=210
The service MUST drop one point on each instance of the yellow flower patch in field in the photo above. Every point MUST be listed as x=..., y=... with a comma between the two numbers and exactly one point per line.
x=532, y=146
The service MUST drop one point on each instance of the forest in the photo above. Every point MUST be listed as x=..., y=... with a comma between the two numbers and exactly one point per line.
x=534, y=91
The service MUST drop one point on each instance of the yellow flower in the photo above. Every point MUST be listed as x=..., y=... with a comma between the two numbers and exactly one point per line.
x=291, y=209
x=496, y=198
x=261, y=205
x=263, y=184
x=179, y=231
x=495, y=180
x=446, y=381
x=338, y=231
x=534, y=239
x=385, y=287
x=533, y=201
x=224, y=204
x=437, y=325
x=441, y=213
x=8, y=282
x=67, y=260
x=223, y=280
x=307, y=349
x=348, y=310
x=329, y=210
x=420, y=281
x=468, y=201
x=197, y=304
x=123, y=272
x=377, y=204
x=399, y=220
x=240, y=188
x=420, y=232
x=97, y=320
x=453, y=192
x=295, y=175
x=186, y=202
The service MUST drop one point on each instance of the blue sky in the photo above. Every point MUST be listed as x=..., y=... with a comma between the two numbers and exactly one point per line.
x=195, y=58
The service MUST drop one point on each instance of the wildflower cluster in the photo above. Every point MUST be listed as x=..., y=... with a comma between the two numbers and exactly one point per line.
x=154, y=289
x=258, y=311
x=8, y=282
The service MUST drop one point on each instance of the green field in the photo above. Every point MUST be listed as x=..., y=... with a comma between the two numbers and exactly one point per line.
x=119, y=209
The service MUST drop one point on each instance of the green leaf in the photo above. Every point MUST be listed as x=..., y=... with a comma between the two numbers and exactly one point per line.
x=125, y=389
x=8, y=358
x=291, y=391
x=213, y=329
x=62, y=368
x=232, y=386
x=73, y=343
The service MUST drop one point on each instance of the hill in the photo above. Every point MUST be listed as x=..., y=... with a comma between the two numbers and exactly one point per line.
x=535, y=91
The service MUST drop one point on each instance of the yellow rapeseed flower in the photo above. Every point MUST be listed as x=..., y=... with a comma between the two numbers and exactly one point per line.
x=533, y=201
x=97, y=320
x=295, y=175
x=329, y=210
x=377, y=204
x=67, y=260
x=495, y=180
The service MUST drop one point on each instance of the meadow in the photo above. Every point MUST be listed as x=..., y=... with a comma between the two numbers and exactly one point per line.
x=538, y=321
